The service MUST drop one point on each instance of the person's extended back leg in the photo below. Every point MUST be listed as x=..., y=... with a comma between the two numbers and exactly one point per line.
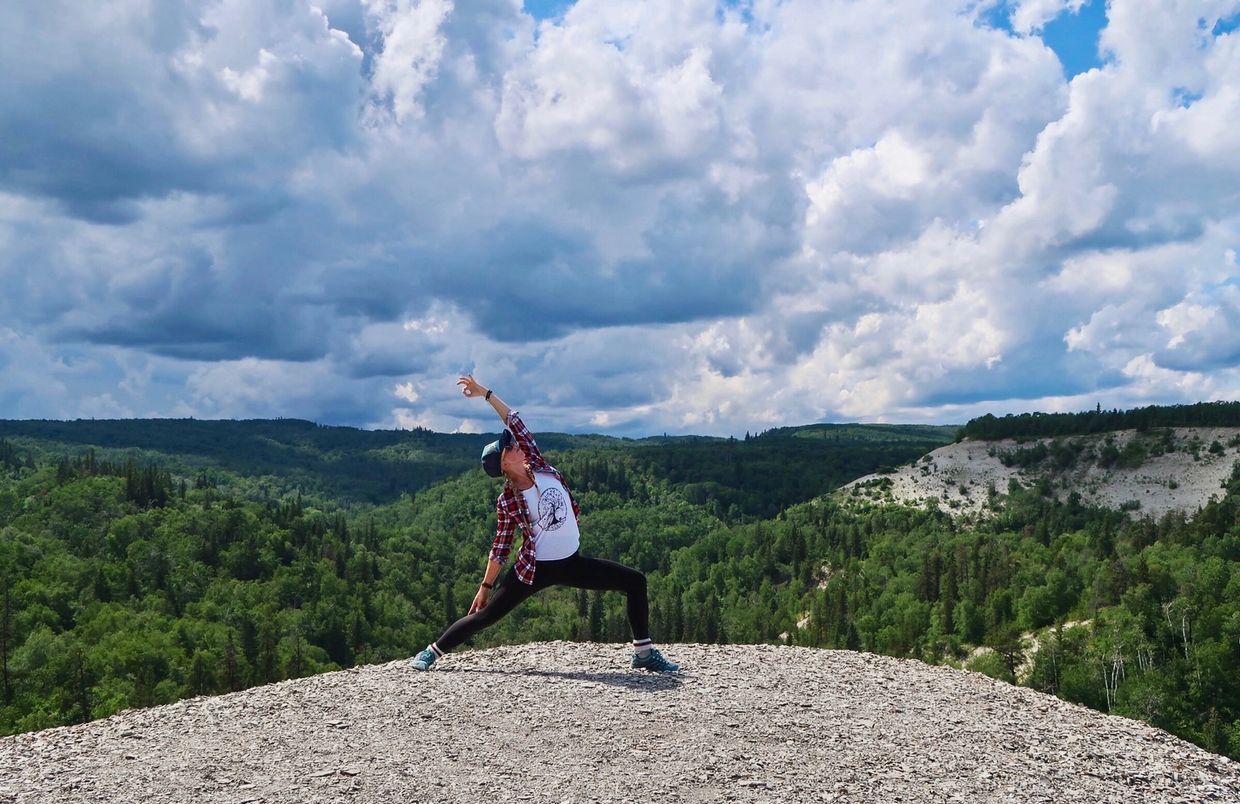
x=508, y=594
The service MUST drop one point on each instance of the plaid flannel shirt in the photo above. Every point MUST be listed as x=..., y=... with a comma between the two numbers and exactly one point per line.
x=511, y=512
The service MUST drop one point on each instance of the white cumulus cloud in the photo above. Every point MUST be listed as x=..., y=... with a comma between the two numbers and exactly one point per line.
x=639, y=217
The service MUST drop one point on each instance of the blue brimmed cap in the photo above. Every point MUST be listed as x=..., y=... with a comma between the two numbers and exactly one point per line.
x=491, y=453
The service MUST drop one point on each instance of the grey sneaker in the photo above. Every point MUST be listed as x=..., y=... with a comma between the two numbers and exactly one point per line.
x=423, y=660
x=654, y=662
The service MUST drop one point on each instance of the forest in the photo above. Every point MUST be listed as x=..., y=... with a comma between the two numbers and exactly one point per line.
x=133, y=576
x=1037, y=425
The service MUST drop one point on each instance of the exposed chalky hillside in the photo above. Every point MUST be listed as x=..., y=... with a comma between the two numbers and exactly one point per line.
x=1150, y=473
x=569, y=722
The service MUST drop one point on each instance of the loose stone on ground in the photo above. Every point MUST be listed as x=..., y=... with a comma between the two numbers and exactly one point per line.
x=570, y=722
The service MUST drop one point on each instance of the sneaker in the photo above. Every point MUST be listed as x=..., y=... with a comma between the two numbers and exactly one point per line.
x=423, y=660
x=654, y=662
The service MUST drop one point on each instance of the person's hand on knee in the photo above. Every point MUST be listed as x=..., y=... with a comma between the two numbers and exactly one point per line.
x=480, y=599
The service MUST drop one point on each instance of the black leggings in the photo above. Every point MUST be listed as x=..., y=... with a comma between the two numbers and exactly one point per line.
x=576, y=571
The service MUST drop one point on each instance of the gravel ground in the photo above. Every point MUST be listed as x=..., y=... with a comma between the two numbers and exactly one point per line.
x=570, y=722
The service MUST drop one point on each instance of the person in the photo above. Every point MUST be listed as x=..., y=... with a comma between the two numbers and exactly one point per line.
x=536, y=498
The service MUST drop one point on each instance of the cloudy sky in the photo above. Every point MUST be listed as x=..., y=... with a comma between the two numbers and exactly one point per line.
x=634, y=218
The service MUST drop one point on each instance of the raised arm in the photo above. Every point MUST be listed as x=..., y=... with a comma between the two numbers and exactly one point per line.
x=511, y=419
x=471, y=388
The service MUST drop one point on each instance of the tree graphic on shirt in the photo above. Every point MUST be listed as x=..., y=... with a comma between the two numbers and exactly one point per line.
x=552, y=509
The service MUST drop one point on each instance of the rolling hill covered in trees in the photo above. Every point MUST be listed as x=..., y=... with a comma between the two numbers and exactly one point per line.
x=133, y=573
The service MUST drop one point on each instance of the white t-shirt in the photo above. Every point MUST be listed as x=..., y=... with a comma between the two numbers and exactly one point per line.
x=555, y=533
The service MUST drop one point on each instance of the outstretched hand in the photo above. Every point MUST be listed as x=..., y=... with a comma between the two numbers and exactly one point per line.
x=470, y=386
x=480, y=601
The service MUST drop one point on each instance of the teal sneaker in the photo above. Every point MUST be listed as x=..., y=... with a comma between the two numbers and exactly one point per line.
x=423, y=660
x=655, y=663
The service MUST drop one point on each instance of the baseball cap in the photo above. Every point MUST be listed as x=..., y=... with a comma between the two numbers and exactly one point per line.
x=491, y=453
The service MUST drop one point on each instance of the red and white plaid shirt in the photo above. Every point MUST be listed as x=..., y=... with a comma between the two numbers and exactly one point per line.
x=511, y=512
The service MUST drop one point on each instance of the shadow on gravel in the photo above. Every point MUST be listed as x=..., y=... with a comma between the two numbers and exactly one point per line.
x=618, y=678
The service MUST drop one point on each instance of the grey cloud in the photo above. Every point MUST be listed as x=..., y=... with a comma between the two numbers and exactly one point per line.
x=50, y=381
x=263, y=389
x=199, y=303
x=641, y=292
x=169, y=336
x=526, y=280
x=569, y=379
x=90, y=144
x=387, y=365
x=608, y=369
x=1032, y=372
x=795, y=335
x=105, y=107
x=386, y=350
x=1199, y=357
x=1204, y=345
x=377, y=292
x=209, y=335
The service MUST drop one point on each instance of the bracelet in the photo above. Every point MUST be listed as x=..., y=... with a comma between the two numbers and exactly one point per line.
x=486, y=585
x=488, y=396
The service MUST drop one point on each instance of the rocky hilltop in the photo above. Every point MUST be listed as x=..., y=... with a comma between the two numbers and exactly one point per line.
x=1144, y=473
x=569, y=722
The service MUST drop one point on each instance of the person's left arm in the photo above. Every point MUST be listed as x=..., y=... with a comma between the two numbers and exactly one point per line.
x=471, y=388
x=511, y=418
x=525, y=438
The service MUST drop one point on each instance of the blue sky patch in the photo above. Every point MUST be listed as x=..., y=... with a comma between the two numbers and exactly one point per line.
x=1074, y=37
x=999, y=17
x=1184, y=97
x=546, y=9
x=1226, y=25
x=745, y=7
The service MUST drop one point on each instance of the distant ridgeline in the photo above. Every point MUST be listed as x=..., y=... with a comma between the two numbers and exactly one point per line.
x=763, y=474
x=1036, y=425
x=361, y=465
x=756, y=477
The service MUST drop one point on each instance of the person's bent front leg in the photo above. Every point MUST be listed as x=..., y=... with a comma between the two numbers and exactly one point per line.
x=599, y=573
